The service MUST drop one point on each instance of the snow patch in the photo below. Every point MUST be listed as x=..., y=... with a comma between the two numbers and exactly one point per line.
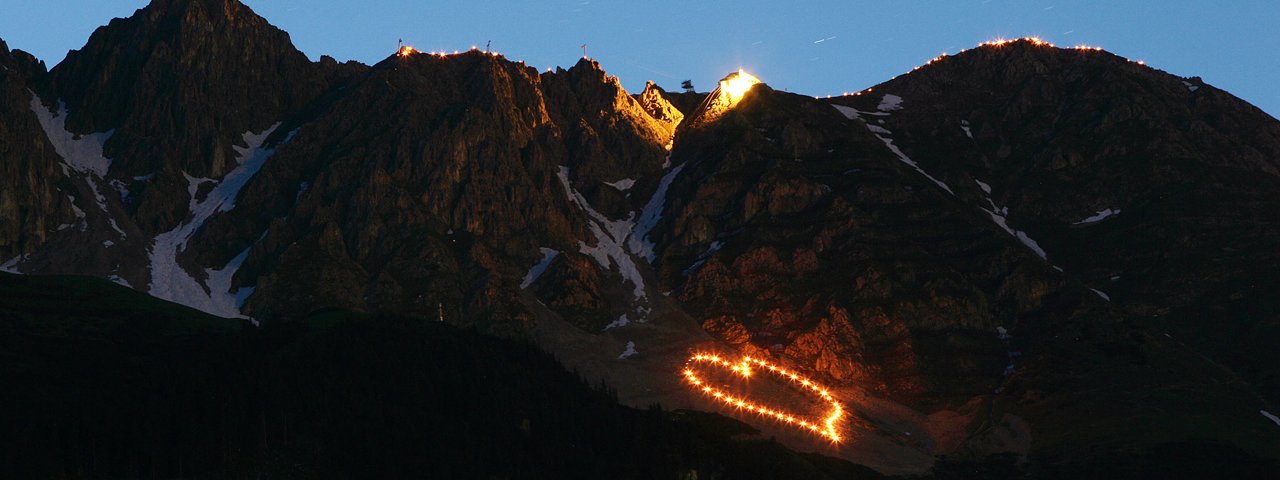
x=639, y=242
x=11, y=266
x=629, y=352
x=964, y=125
x=219, y=282
x=889, y=103
x=1003, y=333
x=83, y=153
x=715, y=247
x=121, y=189
x=888, y=142
x=618, y=240
x=611, y=238
x=1022, y=236
x=878, y=129
x=1101, y=295
x=848, y=112
x=985, y=188
x=114, y=225
x=622, y=185
x=1098, y=217
x=622, y=321
x=1190, y=86
x=548, y=254
x=108, y=243
x=1271, y=417
x=172, y=282
x=883, y=134
x=999, y=216
x=302, y=188
x=74, y=209
x=119, y=280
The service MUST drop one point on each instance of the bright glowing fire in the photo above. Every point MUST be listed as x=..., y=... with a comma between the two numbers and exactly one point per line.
x=736, y=85
x=824, y=427
x=406, y=51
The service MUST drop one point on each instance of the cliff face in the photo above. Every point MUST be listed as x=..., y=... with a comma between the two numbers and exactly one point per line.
x=179, y=83
x=983, y=242
x=32, y=206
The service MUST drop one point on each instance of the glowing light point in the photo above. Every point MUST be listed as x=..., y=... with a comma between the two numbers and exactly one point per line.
x=735, y=86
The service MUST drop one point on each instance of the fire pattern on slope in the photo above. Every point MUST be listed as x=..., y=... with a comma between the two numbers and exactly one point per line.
x=824, y=427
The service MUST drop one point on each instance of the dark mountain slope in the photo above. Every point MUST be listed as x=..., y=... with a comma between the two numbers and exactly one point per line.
x=1157, y=190
x=118, y=384
x=797, y=224
x=32, y=206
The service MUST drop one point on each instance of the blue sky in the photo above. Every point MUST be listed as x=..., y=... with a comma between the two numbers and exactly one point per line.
x=813, y=47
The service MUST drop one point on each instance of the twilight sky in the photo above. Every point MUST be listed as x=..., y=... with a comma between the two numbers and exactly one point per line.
x=818, y=47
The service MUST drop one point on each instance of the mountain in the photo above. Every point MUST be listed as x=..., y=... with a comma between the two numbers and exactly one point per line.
x=1020, y=250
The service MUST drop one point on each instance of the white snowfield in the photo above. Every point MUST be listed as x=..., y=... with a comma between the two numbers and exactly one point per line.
x=82, y=153
x=169, y=280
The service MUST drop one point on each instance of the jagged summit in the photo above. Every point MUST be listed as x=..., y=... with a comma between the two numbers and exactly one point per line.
x=654, y=101
x=204, y=65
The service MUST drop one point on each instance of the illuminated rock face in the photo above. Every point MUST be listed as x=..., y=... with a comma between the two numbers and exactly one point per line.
x=727, y=94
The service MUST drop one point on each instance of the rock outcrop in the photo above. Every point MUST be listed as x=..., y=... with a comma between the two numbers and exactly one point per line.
x=32, y=205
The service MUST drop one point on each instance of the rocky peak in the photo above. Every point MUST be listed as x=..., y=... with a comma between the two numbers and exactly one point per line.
x=654, y=102
x=31, y=207
x=19, y=64
x=179, y=81
x=609, y=134
x=731, y=90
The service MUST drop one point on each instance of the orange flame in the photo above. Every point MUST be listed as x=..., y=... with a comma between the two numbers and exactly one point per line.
x=824, y=427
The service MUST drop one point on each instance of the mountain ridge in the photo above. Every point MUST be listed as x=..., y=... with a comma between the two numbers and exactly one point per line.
x=944, y=239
